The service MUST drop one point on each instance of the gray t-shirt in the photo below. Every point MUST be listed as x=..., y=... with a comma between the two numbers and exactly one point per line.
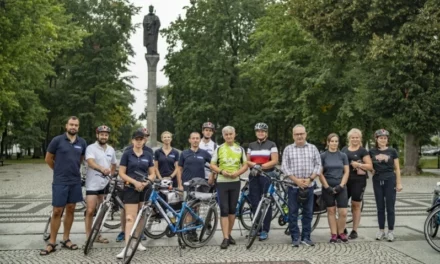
x=333, y=164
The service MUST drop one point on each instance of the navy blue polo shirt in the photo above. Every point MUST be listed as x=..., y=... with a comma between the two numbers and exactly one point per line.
x=193, y=163
x=166, y=162
x=67, y=159
x=145, y=148
x=135, y=163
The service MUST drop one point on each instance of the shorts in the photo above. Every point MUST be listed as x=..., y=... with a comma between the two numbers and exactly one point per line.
x=339, y=199
x=356, y=189
x=66, y=194
x=100, y=192
x=131, y=196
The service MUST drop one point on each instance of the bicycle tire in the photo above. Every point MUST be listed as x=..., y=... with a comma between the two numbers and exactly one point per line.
x=350, y=218
x=112, y=216
x=117, y=206
x=135, y=236
x=211, y=219
x=257, y=223
x=431, y=228
x=244, y=212
x=46, y=232
x=96, y=227
x=155, y=233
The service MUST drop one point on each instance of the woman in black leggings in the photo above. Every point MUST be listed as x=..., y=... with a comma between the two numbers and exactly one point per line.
x=229, y=162
x=386, y=181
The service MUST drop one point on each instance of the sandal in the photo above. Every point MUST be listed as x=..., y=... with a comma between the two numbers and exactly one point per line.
x=71, y=247
x=100, y=239
x=45, y=252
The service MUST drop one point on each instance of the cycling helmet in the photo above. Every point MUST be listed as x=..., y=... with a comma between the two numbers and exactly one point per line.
x=261, y=126
x=103, y=128
x=145, y=131
x=381, y=132
x=208, y=125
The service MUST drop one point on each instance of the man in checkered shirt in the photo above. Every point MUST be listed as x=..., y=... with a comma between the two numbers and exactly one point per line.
x=302, y=163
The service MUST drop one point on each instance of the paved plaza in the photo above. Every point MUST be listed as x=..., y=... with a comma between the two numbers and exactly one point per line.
x=25, y=206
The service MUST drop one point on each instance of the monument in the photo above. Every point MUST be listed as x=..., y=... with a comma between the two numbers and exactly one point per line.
x=151, y=25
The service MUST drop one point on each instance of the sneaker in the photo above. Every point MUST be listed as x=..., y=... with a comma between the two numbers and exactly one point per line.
x=390, y=236
x=120, y=237
x=353, y=235
x=295, y=243
x=224, y=244
x=231, y=240
x=334, y=239
x=380, y=235
x=121, y=255
x=343, y=238
x=345, y=231
x=263, y=236
x=141, y=247
x=308, y=242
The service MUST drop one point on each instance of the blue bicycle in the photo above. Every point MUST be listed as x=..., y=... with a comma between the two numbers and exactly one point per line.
x=194, y=224
x=432, y=222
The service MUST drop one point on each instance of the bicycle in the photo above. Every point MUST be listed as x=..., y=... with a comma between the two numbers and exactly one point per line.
x=185, y=223
x=432, y=222
x=111, y=203
x=281, y=203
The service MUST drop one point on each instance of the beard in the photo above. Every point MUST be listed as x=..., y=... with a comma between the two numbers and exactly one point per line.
x=205, y=137
x=72, y=132
x=102, y=141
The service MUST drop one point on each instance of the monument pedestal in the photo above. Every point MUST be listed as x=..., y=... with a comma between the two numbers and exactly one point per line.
x=152, y=61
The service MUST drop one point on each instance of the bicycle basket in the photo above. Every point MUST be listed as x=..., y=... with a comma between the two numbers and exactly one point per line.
x=319, y=206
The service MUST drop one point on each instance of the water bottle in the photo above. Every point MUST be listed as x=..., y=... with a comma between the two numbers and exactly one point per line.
x=285, y=209
x=171, y=216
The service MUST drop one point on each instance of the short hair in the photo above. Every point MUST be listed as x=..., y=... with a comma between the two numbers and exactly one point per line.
x=195, y=132
x=354, y=131
x=228, y=129
x=166, y=132
x=299, y=125
x=72, y=118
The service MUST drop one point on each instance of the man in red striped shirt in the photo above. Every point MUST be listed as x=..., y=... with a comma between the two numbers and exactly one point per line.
x=262, y=153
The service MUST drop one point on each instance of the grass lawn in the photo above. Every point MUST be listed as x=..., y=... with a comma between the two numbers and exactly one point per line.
x=428, y=162
x=24, y=160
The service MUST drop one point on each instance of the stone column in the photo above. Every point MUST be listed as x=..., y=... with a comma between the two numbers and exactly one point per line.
x=152, y=61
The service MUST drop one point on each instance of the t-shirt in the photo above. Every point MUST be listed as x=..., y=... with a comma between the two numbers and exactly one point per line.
x=105, y=158
x=230, y=159
x=357, y=156
x=193, y=163
x=68, y=154
x=333, y=166
x=260, y=152
x=166, y=163
x=135, y=163
x=383, y=163
x=209, y=147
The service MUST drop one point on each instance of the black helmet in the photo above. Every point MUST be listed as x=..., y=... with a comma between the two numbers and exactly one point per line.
x=261, y=126
x=381, y=132
x=102, y=128
x=145, y=131
x=208, y=125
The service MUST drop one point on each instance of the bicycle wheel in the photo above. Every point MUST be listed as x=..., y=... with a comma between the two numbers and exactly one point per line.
x=349, y=213
x=200, y=236
x=96, y=227
x=136, y=235
x=257, y=223
x=46, y=232
x=245, y=214
x=156, y=226
x=431, y=229
x=114, y=221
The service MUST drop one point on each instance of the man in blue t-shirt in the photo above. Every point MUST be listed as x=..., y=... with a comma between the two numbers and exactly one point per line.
x=192, y=161
x=64, y=155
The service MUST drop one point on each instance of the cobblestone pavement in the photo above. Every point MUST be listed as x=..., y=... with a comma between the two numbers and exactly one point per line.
x=322, y=253
x=25, y=197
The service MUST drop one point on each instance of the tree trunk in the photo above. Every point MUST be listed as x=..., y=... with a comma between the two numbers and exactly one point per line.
x=411, y=155
x=37, y=152
x=3, y=143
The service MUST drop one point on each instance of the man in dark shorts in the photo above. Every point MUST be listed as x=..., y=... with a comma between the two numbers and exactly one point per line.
x=64, y=155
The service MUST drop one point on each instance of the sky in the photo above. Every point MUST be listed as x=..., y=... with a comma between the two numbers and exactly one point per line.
x=167, y=11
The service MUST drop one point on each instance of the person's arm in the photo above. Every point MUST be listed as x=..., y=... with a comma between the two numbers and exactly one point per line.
x=180, y=171
x=126, y=178
x=215, y=168
x=399, y=186
x=151, y=173
x=345, y=176
x=317, y=167
x=286, y=166
x=176, y=170
x=50, y=159
x=248, y=157
x=273, y=161
x=156, y=169
x=113, y=169
x=322, y=179
x=91, y=163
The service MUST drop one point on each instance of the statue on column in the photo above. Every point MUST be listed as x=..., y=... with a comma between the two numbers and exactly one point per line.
x=151, y=32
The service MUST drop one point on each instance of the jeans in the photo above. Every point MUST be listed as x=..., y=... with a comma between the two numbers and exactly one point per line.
x=307, y=214
x=258, y=186
x=385, y=195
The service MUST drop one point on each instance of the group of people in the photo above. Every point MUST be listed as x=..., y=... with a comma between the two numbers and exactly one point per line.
x=342, y=173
